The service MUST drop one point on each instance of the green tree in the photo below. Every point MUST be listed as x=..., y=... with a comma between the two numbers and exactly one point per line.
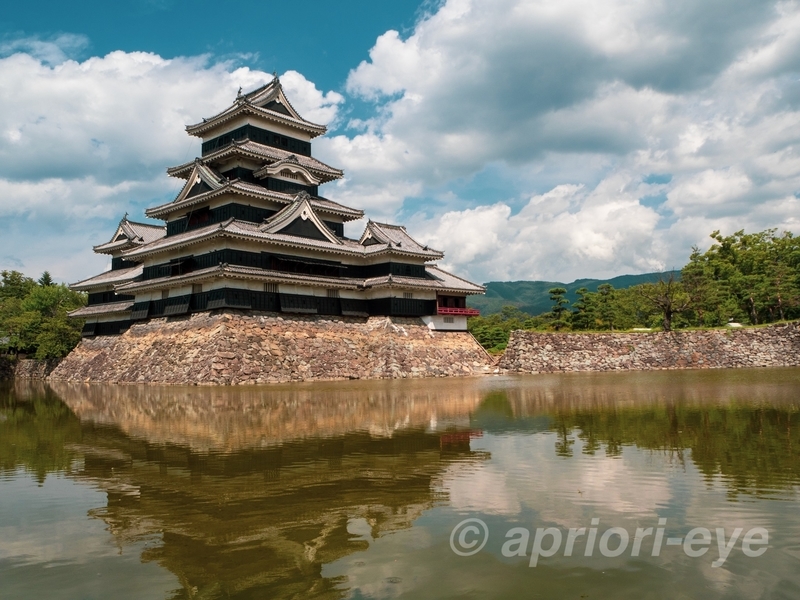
x=45, y=280
x=33, y=318
x=631, y=309
x=14, y=284
x=559, y=310
x=605, y=305
x=752, y=276
x=492, y=331
x=668, y=297
x=585, y=314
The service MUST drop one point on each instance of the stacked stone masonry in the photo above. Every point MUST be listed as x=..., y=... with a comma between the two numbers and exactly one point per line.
x=236, y=348
x=772, y=346
x=34, y=369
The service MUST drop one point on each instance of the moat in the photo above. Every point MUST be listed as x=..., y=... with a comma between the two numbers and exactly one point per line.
x=356, y=489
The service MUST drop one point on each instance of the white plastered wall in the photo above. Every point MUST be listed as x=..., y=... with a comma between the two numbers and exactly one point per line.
x=446, y=323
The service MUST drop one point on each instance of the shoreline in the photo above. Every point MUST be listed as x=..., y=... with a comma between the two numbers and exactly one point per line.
x=312, y=350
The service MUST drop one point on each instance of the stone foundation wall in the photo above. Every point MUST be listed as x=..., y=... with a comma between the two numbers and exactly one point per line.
x=28, y=368
x=236, y=348
x=773, y=346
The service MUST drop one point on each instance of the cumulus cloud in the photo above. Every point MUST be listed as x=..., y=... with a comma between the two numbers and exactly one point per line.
x=122, y=115
x=605, y=230
x=582, y=102
x=525, y=138
x=81, y=143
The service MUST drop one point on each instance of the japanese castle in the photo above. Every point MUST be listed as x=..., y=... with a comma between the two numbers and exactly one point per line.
x=249, y=231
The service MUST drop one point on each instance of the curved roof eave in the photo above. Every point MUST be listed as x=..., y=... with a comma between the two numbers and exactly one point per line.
x=220, y=230
x=326, y=172
x=166, y=209
x=235, y=272
x=243, y=106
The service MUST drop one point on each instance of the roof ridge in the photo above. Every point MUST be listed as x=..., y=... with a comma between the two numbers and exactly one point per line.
x=150, y=225
x=403, y=227
x=261, y=151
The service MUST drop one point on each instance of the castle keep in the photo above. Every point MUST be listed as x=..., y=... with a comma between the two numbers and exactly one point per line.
x=249, y=230
x=251, y=278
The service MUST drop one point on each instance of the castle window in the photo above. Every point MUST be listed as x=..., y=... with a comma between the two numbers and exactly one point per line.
x=271, y=288
x=333, y=293
x=197, y=288
x=408, y=295
x=449, y=320
x=164, y=294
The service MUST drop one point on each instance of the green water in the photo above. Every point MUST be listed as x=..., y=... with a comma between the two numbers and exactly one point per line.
x=353, y=489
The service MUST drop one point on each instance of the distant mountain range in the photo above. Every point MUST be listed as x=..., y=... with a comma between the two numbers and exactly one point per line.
x=532, y=297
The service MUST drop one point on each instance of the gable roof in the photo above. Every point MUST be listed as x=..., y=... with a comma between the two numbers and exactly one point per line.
x=201, y=174
x=252, y=190
x=291, y=164
x=394, y=236
x=299, y=209
x=129, y=234
x=249, y=149
x=245, y=230
x=268, y=102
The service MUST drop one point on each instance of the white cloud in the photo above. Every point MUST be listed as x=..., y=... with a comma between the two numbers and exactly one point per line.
x=310, y=102
x=566, y=231
x=515, y=135
x=605, y=94
x=81, y=143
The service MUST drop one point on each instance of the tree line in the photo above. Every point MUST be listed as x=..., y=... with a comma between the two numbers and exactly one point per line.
x=751, y=443
x=742, y=278
x=33, y=316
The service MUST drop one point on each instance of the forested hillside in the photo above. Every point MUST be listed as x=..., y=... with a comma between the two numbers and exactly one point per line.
x=532, y=297
x=741, y=279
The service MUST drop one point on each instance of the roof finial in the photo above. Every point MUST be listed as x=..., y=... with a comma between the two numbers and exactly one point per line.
x=239, y=93
x=275, y=78
x=125, y=218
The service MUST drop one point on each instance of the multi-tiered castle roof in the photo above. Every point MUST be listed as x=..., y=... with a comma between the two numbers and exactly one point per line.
x=249, y=230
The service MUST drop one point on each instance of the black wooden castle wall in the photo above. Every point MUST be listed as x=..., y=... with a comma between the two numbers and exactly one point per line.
x=280, y=262
x=234, y=298
x=241, y=212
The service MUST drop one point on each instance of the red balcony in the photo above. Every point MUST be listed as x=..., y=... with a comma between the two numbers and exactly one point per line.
x=462, y=312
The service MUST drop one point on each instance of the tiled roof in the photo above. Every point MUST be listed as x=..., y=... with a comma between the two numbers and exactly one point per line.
x=259, y=151
x=239, y=272
x=246, y=188
x=247, y=230
x=102, y=309
x=255, y=103
x=108, y=278
x=145, y=231
x=394, y=236
x=437, y=280
x=299, y=209
x=131, y=233
x=288, y=165
x=450, y=281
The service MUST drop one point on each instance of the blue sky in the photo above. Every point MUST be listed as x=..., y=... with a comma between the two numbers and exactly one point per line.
x=322, y=40
x=527, y=139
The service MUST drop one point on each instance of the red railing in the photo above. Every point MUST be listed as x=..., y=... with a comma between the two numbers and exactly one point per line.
x=465, y=312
